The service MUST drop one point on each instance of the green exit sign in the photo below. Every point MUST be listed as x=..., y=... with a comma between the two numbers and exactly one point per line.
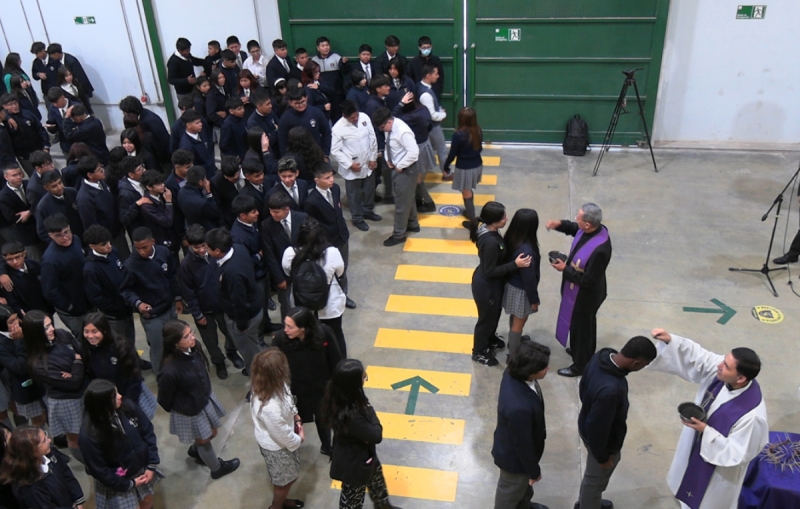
x=751, y=11
x=85, y=20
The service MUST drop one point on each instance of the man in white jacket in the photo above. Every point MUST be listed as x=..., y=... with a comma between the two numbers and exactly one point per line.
x=712, y=456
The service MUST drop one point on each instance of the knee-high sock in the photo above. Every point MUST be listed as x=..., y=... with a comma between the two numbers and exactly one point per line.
x=469, y=207
x=513, y=341
x=208, y=455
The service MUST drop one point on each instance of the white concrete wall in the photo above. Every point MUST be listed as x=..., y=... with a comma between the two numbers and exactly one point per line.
x=728, y=81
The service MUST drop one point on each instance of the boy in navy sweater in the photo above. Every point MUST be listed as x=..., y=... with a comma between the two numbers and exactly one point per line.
x=182, y=160
x=58, y=200
x=62, y=274
x=265, y=118
x=26, y=276
x=159, y=213
x=225, y=185
x=199, y=279
x=238, y=295
x=197, y=202
x=194, y=142
x=96, y=204
x=17, y=212
x=150, y=285
x=233, y=136
x=59, y=109
x=178, y=127
x=299, y=113
x=102, y=277
x=130, y=194
x=26, y=131
x=41, y=162
x=80, y=126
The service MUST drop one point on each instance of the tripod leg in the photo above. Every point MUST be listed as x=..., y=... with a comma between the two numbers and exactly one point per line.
x=612, y=127
x=644, y=122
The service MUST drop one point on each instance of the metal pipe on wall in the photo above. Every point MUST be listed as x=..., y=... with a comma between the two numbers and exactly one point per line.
x=41, y=15
x=133, y=52
x=150, y=56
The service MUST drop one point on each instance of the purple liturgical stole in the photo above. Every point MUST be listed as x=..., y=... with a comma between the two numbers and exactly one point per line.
x=569, y=291
x=698, y=471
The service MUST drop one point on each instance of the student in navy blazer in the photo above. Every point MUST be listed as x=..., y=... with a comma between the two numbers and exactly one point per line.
x=159, y=213
x=26, y=276
x=58, y=200
x=255, y=184
x=197, y=202
x=279, y=65
x=80, y=126
x=55, y=118
x=151, y=123
x=16, y=210
x=296, y=190
x=194, y=142
x=329, y=215
x=96, y=204
x=521, y=431
x=225, y=186
x=233, y=135
x=276, y=241
x=216, y=112
x=130, y=194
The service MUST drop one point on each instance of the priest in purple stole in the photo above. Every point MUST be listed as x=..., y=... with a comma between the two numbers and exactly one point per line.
x=711, y=459
x=583, y=284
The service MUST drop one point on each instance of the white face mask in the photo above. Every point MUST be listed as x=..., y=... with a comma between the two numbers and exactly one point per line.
x=425, y=52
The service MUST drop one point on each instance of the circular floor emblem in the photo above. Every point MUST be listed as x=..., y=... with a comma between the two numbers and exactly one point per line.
x=450, y=210
x=767, y=314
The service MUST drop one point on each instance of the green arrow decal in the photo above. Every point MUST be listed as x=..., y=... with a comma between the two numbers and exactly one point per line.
x=415, y=383
x=726, y=312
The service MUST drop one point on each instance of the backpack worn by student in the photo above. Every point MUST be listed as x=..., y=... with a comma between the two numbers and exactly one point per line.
x=577, y=137
x=310, y=286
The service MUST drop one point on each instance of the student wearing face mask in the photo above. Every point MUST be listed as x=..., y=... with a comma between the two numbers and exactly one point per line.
x=426, y=57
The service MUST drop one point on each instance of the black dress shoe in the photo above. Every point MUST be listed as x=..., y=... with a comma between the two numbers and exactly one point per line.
x=350, y=303
x=414, y=229
x=145, y=365
x=192, y=453
x=524, y=338
x=361, y=225
x=295, y=503
x=497, y=343
x=787, y=258
x=393, y=241
x=569, y=351
x=426, y=207
x=604, y=504
x=222, y=371
x=372, y=216
x=225, y=468
x=271, y=304
x=465, y=224
x=568, y=372
x=377, y=199
x=326, y=451
x=237, y=361
x=388, y=200
x=535, y=505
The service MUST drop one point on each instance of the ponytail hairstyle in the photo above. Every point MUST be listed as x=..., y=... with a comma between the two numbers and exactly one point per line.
x=491, y=213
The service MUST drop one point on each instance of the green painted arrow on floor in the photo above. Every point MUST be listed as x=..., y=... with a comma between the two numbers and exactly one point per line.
x=726, y=312
x=415, y=382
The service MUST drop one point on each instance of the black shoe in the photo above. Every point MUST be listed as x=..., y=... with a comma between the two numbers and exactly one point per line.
x=569, y=351
x=192, y=453
x=222, y=371
x=245, y=372
x=413, y=229
x=325, y=451
x=787, y=258
x=497, y=343
x=534, y=505
x=465, y=224
x=61, y=441
x=604, y=504
x=569, y=372
x=271, y=304
x=524, y=338
x=393, y=241
x=361, y=225
x=350, y=303
x=388, y=200
x=273, y=327
x=426, y=207
x=377, y=199
x=247, y=397
x=225, y=468
x=485, y=358
x=145, y=365
x=297, y=503
x=237, y=361
x=372, y=216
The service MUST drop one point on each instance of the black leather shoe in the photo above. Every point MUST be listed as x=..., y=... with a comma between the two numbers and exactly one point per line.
x=326, y=451
x=372, y=216
x=192, y=453
x=426, y=207
x=145, y=365
x=524, y=338
x=271, y=304
x=568, y=372
x=393, y=241
x=388, y=200
x=497, y=343
x=783, y=260
x=361, y=225
x=237, y=361
x=465, y=224
x=604, y=504
x=569, y=351
x=534, y=505
x=350, y=303
x=414, y=229
x=225, y=468
x=222, y=371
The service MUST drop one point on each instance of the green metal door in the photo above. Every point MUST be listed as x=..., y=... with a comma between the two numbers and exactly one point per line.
x=533, y=64
x=350, y=23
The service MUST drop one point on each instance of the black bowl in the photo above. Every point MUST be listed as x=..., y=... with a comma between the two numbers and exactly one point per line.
x=688, y=410
x=556, y=255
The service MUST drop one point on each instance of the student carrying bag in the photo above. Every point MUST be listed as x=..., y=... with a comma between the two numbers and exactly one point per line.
x=576, y=139
x=310, y=286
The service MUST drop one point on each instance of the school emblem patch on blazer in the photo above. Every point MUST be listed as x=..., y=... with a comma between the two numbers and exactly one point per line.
x=313, y=123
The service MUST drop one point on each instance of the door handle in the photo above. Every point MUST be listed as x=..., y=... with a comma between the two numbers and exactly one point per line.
x=455, y=73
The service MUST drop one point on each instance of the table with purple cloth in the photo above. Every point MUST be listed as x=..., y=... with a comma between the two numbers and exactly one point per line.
x=769, y=486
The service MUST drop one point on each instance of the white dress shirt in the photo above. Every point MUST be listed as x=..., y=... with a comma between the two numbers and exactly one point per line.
x=332, y=263
x=258, y=68
x=427, y=101
x=402, y=144
x=354, y=143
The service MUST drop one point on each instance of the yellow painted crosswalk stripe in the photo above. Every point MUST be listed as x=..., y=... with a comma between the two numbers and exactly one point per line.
x=418, y=245
x=420, y=428
x=491, y=160
x=456, y=199
x=426, y=341
x=486, y=180
x=448, y=383
x=442, y=306
x=429, y=274
x=422, y=483
x=439, y=221
x=489, y=146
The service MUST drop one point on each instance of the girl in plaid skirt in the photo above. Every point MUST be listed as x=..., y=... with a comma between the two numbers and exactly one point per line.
x=184, y=390
x=25, y=396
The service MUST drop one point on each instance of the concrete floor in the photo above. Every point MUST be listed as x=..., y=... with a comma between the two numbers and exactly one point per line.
x=674, y=235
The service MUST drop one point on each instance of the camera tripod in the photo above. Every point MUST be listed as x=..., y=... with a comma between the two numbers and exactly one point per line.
x=619, y=109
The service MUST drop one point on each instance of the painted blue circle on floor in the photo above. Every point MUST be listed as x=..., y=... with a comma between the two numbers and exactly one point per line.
x=450, y=210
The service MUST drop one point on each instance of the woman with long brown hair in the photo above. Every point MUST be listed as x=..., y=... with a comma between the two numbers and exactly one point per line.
x=466, y=145
x=310, y=80
x=248, y=84
x=278, y=427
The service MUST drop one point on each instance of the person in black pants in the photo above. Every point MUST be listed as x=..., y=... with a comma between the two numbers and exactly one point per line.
x=488, y=280
x=280, y=231
x=289, y=185
x=279, y=65
x=392, y=44
x=80, y=126
x=58, y=200
x=180, y=68
x=56, y=114
x=199, y=279
x=426, y=57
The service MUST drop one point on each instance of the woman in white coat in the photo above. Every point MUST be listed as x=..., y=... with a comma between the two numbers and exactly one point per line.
x=313, y=246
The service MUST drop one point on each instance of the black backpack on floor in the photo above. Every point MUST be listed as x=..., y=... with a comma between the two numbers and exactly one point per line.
x=576, y=140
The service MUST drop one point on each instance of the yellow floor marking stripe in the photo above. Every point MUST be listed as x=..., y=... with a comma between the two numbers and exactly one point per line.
x=419, y=428
x=417, y=245
x=431, y=274
x=486, y=180
x=492, y=147
x=491, y=160
x=456, y=199
x=439, y=306
x=450, y=384
x=439, y=221
x=426, y=341
x=422, y=483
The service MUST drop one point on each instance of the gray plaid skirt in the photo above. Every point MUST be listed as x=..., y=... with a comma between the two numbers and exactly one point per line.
x=515, y=301
x=107, y=498
x=427, y=158
x=465, y=180
x=188, y=428
x=31, y=410
x=283, y=465
x=64, y=415
x=147, y=402
x=5, y=397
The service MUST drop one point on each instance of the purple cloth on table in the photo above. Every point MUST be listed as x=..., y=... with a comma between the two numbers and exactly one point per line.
x=766, y=486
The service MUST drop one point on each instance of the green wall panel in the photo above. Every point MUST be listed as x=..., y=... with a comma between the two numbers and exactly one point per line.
x=564, y=8
x=367, y=10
